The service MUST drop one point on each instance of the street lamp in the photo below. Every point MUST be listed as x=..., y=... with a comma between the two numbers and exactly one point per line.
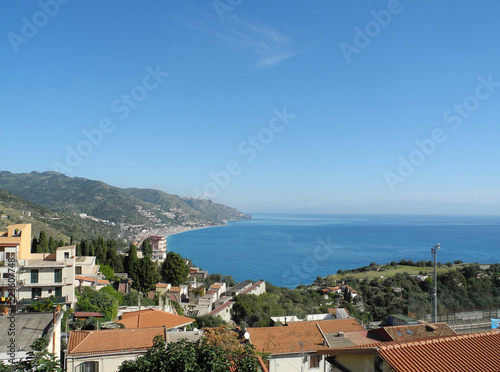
x=434, y=252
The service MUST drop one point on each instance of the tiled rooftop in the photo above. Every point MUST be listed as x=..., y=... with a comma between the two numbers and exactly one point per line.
x=284, y=340
x=287, y=339
x=112, y=340
x=153, y=318
x=120, y=340
x=86, y=279
x=479, y=352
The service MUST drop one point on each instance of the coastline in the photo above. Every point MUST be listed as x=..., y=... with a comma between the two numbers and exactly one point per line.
x=293, y=255
x=187, y=229
x=181, y=230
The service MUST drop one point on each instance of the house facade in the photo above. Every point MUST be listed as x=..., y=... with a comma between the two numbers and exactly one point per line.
x=106, y=350
x=295, y=347
x=159, y=244
x=48, y=274
x=34, y=276
x=466, y=352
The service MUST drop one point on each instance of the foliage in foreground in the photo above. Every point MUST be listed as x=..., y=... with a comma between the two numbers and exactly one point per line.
x=39, y=359
x=212, y=353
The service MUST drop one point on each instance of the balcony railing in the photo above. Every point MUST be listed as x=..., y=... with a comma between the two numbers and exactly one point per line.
x=44, y=282
x=32, y=301
x=5, y=282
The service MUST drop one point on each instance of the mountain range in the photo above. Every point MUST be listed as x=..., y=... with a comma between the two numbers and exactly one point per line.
x=82, y=207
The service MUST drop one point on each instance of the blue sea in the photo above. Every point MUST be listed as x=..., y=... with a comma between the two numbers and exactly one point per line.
x=287, y=250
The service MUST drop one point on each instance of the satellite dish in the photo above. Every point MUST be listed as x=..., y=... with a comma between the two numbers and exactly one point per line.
x=247, y=335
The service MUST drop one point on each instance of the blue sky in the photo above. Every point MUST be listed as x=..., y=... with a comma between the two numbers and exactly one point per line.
x=328, y=107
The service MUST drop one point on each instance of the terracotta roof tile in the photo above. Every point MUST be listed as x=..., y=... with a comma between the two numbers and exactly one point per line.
x=153, y=318
x=111, y=340
x=286, y=339
x=87, y=314
x=92, y=280
x=477, y=352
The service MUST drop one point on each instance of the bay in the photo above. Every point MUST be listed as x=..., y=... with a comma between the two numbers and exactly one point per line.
x=291, y=249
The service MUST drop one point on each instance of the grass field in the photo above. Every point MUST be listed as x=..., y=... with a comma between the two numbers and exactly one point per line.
x=393, y=270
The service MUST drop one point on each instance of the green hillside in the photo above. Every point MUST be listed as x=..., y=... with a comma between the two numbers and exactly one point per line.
x=108, y=210
x=60, y=226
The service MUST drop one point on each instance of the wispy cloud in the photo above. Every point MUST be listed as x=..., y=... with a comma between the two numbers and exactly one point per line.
x=267, y=45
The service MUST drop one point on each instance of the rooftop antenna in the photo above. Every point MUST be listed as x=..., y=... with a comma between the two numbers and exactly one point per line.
x=434, y=313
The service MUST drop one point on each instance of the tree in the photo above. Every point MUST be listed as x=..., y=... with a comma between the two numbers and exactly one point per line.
x=34, y=245
x=174, y=270
x=100, y=251
x=131, y=263
x=147, y=248
x=204, y=355
x=108, y=272
x=147, y=275
x=39, y=359
x=52, y=245
x=114, y=260
x=84, y=247
x=209, y=321
x=98, y=301
x=43, y=243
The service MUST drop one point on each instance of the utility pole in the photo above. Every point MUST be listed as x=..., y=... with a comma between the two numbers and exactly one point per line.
x=434, y=252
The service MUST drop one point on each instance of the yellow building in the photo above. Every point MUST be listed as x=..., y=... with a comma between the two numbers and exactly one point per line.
x=18, y=236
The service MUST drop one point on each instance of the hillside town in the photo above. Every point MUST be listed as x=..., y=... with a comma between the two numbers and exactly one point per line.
x=332, y=341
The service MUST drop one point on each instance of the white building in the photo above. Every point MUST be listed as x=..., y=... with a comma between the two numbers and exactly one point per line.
x=159, y=244
x=48, y=274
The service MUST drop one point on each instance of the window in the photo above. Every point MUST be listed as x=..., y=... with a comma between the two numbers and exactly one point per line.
x=58, y=275
x=58, y=292
x=78, y=270
x=89, y=367
x=10, y=255
x=36, y=292
x=66, y=254
x=314, y=361
x=5, y=276
x=34, y=276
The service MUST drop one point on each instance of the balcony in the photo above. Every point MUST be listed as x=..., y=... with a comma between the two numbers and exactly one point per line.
x=32, y=264
x=32, y=301
x=49, y=283
x=5, y=283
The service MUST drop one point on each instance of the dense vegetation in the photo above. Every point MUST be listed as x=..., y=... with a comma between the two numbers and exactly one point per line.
x=463, y=288
x=58, y=225
x=216, y=351
x=255, y=311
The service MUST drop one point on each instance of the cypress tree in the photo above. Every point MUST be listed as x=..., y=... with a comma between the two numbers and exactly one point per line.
x=43, y=243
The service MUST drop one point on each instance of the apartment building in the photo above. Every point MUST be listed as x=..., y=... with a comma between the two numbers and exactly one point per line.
x=159, y=244
x=34, y=276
